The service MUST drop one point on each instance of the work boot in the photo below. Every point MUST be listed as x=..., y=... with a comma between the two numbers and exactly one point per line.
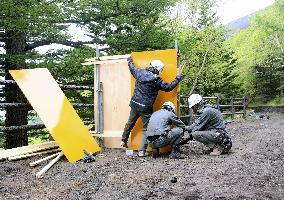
x=177, y=155
x=155, y=152
x=142, y=154
x=209, y=151
x=217, y=151
x=123, y=143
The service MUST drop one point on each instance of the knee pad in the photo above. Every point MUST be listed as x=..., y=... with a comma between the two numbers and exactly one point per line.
x=196, y=135
x=224, y=141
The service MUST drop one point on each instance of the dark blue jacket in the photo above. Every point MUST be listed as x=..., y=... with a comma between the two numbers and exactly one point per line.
x=147, y=87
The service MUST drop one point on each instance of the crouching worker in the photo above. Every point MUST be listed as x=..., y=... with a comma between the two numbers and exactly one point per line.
x=209, y=128
x=159, y=132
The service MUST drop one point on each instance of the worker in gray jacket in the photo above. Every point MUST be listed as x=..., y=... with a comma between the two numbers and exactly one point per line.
x=209, y=128
x=160, y=132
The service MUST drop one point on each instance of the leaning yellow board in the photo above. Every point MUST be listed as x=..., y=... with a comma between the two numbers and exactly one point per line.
x=142, y=60
x=57, y=113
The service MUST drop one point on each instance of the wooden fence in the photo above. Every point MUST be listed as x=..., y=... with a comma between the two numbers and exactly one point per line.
x=228, y=106
x=28, y=127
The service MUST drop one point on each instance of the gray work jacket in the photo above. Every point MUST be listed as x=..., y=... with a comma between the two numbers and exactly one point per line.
x=161, y=122
x=210, y=119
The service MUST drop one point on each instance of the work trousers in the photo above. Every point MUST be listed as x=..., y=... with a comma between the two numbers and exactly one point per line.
x=209, y=138
x=173, y=138
x=133, y=117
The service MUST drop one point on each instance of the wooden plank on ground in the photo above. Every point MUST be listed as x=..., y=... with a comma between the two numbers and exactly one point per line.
x=49, y=165
x=109, y=134
x=32, y=154
x=35, y=163
x=103, y=58
x=101, y=62
x=27, y=149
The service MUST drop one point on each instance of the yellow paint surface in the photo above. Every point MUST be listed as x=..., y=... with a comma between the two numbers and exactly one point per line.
x=57, y=113
x=142, y=60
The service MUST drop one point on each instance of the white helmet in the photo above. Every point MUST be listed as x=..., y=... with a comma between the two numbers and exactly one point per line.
x=169, y=106
x=157, y=64
x=194, y=99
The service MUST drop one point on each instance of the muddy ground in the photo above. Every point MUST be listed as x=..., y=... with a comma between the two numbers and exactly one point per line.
x=253, y=170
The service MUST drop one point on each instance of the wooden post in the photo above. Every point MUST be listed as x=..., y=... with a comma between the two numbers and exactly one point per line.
x=218, y=102
x=245, y=105
x=101, y=108
x=97, y=95
x=232, y=108
x=179, y=70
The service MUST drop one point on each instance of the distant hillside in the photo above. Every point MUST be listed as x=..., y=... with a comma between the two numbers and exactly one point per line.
x=241, y=23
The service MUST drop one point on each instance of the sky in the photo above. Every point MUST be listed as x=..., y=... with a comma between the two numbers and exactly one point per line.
x=230, y=10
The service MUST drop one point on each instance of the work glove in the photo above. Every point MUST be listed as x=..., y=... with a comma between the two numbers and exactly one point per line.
x=179, y=77
x=188, y=129
x=186, y=140
x=129, y=60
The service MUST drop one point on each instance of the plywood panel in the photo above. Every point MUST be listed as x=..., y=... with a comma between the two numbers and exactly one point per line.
x=118, y=85
x=142, y=60
x=116, y=79
x=56, y=112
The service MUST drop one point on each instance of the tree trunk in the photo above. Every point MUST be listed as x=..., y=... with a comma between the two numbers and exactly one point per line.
x=15, y=50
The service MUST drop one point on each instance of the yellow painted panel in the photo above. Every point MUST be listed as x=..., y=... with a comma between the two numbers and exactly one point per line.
x=57, y=113
x=142, y=60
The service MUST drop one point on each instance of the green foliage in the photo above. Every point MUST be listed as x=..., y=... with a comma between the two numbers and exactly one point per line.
x=2, y=141
x=38, y=138
x=259, y=52
x=269, y=79
x=206, y=59
x=128, y=26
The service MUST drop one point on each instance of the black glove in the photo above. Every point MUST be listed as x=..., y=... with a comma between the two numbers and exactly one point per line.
x=129, y=60
x=179, y=77
x=186, y=140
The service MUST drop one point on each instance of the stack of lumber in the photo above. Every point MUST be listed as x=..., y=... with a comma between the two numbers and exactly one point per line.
x=34, y=150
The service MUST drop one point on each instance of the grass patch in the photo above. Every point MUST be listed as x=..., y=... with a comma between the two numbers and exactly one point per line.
x=38, y=139
x=279, y=101
x=2, y=141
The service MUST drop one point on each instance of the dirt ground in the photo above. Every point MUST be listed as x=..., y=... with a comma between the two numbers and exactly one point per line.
x=252, y=170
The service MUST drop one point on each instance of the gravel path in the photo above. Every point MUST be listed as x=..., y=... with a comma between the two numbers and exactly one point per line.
x=252, y=170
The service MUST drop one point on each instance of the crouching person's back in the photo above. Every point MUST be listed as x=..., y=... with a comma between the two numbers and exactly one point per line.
x=160, y=134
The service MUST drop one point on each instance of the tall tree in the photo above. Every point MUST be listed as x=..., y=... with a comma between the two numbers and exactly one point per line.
x=259, y=51
x=23, y=31
x=207, y=62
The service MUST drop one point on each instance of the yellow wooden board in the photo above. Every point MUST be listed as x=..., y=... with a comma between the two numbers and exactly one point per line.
x=57, y=113
x=142, y=60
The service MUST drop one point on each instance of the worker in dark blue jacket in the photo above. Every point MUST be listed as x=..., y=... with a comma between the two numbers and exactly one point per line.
x=148, y=83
